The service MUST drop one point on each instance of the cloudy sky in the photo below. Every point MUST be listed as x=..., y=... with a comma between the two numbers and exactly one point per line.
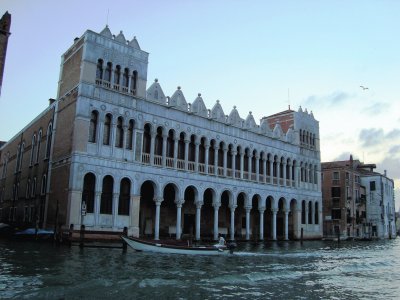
x=258, y=55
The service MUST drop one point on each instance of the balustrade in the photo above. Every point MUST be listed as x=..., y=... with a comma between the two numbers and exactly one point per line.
x=220, y=171
x=157, y=160
x=169, y=162
x=180, y=164
x=191, y=166
x=146, y=158
x=202, y=168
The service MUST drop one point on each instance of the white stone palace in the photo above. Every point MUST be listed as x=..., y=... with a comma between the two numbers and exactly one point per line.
x=128, y=156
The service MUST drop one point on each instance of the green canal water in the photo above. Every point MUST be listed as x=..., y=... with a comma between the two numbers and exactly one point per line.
x=281, y=270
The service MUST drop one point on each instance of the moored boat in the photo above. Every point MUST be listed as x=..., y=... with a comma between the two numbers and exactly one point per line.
x=150, y=246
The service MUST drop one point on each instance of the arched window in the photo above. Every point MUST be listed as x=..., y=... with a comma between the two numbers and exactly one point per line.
x=303, y=212
x=119, y=137
x=107, y=75
x=88, y=192
x=21, y=156
x=39, y=142
x=146, y=138
x=107, y=129
x=93, y=126
x=28, y=187
x=316, y=213
x=134, y=82
x=48, y=139
x=43, y=185
x=310, y=212
x=107, y=195
x=5, y=163
x=124, y=197
x=129, y=138
x=117, y=74
x=33, y=187
x=33, y=150
x=99, y=70
x=125, y=78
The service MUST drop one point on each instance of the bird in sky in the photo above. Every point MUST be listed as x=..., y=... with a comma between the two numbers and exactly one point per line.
x=363, y=87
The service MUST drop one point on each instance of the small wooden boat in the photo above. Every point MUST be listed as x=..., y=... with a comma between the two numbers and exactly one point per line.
x=141, y=245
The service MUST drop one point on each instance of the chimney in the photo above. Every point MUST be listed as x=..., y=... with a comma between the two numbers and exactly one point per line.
x=51, y=101
x=76, y=39
x=384, y=172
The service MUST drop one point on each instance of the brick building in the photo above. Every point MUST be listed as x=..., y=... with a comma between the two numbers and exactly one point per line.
x=111, y=152
x=350, y=207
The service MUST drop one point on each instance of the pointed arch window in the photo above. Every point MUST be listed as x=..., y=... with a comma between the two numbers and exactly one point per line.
x=33, y=187
x=117, y=75
x=99, y=70
x=88, y=193
x=107, y=75
x=125, y=78
x=28, y=188
x=39, y=143
x=129, y=138
x=134, y=82
x=48, y=139
x=43, y=185
x=107, y=195
x=124, y=197
x=107, y=129
x=93, y=126
x=119, y=137
x=32, y=150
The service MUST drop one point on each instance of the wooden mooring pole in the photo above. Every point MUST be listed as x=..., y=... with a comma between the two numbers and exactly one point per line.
x=82, y=236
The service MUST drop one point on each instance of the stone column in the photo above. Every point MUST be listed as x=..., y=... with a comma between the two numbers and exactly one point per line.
x=320, y=221
x=284, y=174
x=278, y=173
x=249, y=169
x=198, y=217
x=234, y=153
x=157, y=220
x=290, y=175
x=97, y=202
x=196, y=156
x=271, y=171
x=264, y=162
x=296, y=176
x=248, y=209
x=164, y=149
x=207, y=149
x=134, y=209
x=216, y=160
x=113, y=129
x=178, y=219
x=225, y=159
x=115, y=204
x=186, y=153
x=232, y=230
x=313, y=213
x=274, y=212
x=176, y=141
x=134, y=144
x=261, y=210
x=257, y=168
x=306, y=213
x=241, y=163
x=286, y=225
x=152, y=145
x=216, y=208
x=125, y=130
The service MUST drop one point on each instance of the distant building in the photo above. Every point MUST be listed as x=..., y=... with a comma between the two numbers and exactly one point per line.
x=5, y=25
x=351, y=208
x=111, y=152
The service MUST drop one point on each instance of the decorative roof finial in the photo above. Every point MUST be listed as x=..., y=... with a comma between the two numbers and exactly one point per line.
x=199, y=94
x=156, y=80
x=179, y=87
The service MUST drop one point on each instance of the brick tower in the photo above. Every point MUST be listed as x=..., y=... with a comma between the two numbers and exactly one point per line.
x=5, y=24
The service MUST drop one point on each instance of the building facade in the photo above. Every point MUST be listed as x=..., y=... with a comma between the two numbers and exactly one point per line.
x=351, y=208
x=124, y=155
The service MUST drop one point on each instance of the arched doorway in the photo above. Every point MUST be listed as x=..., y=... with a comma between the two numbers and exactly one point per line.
x=147, y=209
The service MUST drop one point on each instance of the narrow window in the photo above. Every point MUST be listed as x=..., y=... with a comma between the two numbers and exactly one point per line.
x=107, y=195
x=117, y=75
x=33, y=188
x=88, y=193
x=107, y=129
x=44, y=185
x=28, y=186
x=93, y=126
x=119, y=137
x=99, y=71
x=129, y=138
x=48, y=139
x=33, y=150
x=134, y=82
x=107, y=75
x=39, y=142
x=124, y=197
x=125, y=78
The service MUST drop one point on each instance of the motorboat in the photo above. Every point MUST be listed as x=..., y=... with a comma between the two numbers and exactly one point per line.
x=154, y=246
